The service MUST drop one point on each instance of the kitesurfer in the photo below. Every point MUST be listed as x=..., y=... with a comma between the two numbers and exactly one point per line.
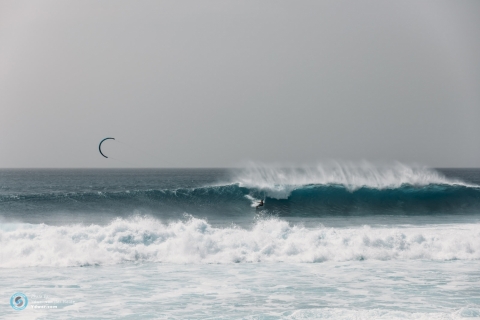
x=260, y=204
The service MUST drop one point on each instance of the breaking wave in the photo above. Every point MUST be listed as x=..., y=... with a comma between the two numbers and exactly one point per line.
x=280, y=182
x=146, y=239
x=308, y=191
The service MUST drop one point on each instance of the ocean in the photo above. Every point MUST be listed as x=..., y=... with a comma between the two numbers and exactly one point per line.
x=336, y=241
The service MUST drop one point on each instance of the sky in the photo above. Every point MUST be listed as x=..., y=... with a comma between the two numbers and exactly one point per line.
x=218, y=83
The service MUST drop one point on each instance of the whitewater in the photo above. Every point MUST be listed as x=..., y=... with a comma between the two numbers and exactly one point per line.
x=337, y=240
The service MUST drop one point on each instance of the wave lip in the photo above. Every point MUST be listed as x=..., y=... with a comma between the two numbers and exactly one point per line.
x=145, y=239
x=280, y=182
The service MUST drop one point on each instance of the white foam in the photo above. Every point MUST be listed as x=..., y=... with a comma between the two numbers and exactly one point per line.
x=279, y=182
x=253, y=201
x=196, y=241
x=380, y=314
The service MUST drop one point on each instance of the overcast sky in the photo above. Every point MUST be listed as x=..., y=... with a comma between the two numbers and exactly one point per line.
x=217, y=83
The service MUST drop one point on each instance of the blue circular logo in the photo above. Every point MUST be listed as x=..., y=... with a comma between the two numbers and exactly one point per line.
x=19, y=301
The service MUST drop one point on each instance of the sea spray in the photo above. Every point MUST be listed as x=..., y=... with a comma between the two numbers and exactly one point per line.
x=279, y=181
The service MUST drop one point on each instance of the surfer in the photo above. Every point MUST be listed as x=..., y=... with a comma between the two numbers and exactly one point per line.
x=260, y=204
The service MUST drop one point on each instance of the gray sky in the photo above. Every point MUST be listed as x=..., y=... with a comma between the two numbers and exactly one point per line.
x=215, y=83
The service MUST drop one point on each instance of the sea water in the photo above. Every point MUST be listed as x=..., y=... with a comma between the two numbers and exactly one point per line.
x=338, y=241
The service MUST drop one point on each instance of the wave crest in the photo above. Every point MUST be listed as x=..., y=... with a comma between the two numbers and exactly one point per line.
x=279, y=182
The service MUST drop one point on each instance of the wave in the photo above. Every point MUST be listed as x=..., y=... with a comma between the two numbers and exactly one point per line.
x=308, y=191
x=227, y=198
x=346, y=188
x=317, y=200
x=146, y=239
x=305, y=200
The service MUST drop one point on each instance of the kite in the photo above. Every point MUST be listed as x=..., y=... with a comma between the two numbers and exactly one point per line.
x=100, y=146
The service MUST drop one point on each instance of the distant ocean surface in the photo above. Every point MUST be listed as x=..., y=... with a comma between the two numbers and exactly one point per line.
x=338, y=241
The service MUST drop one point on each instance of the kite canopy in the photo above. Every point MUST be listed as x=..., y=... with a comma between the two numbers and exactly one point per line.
x=100, y=146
